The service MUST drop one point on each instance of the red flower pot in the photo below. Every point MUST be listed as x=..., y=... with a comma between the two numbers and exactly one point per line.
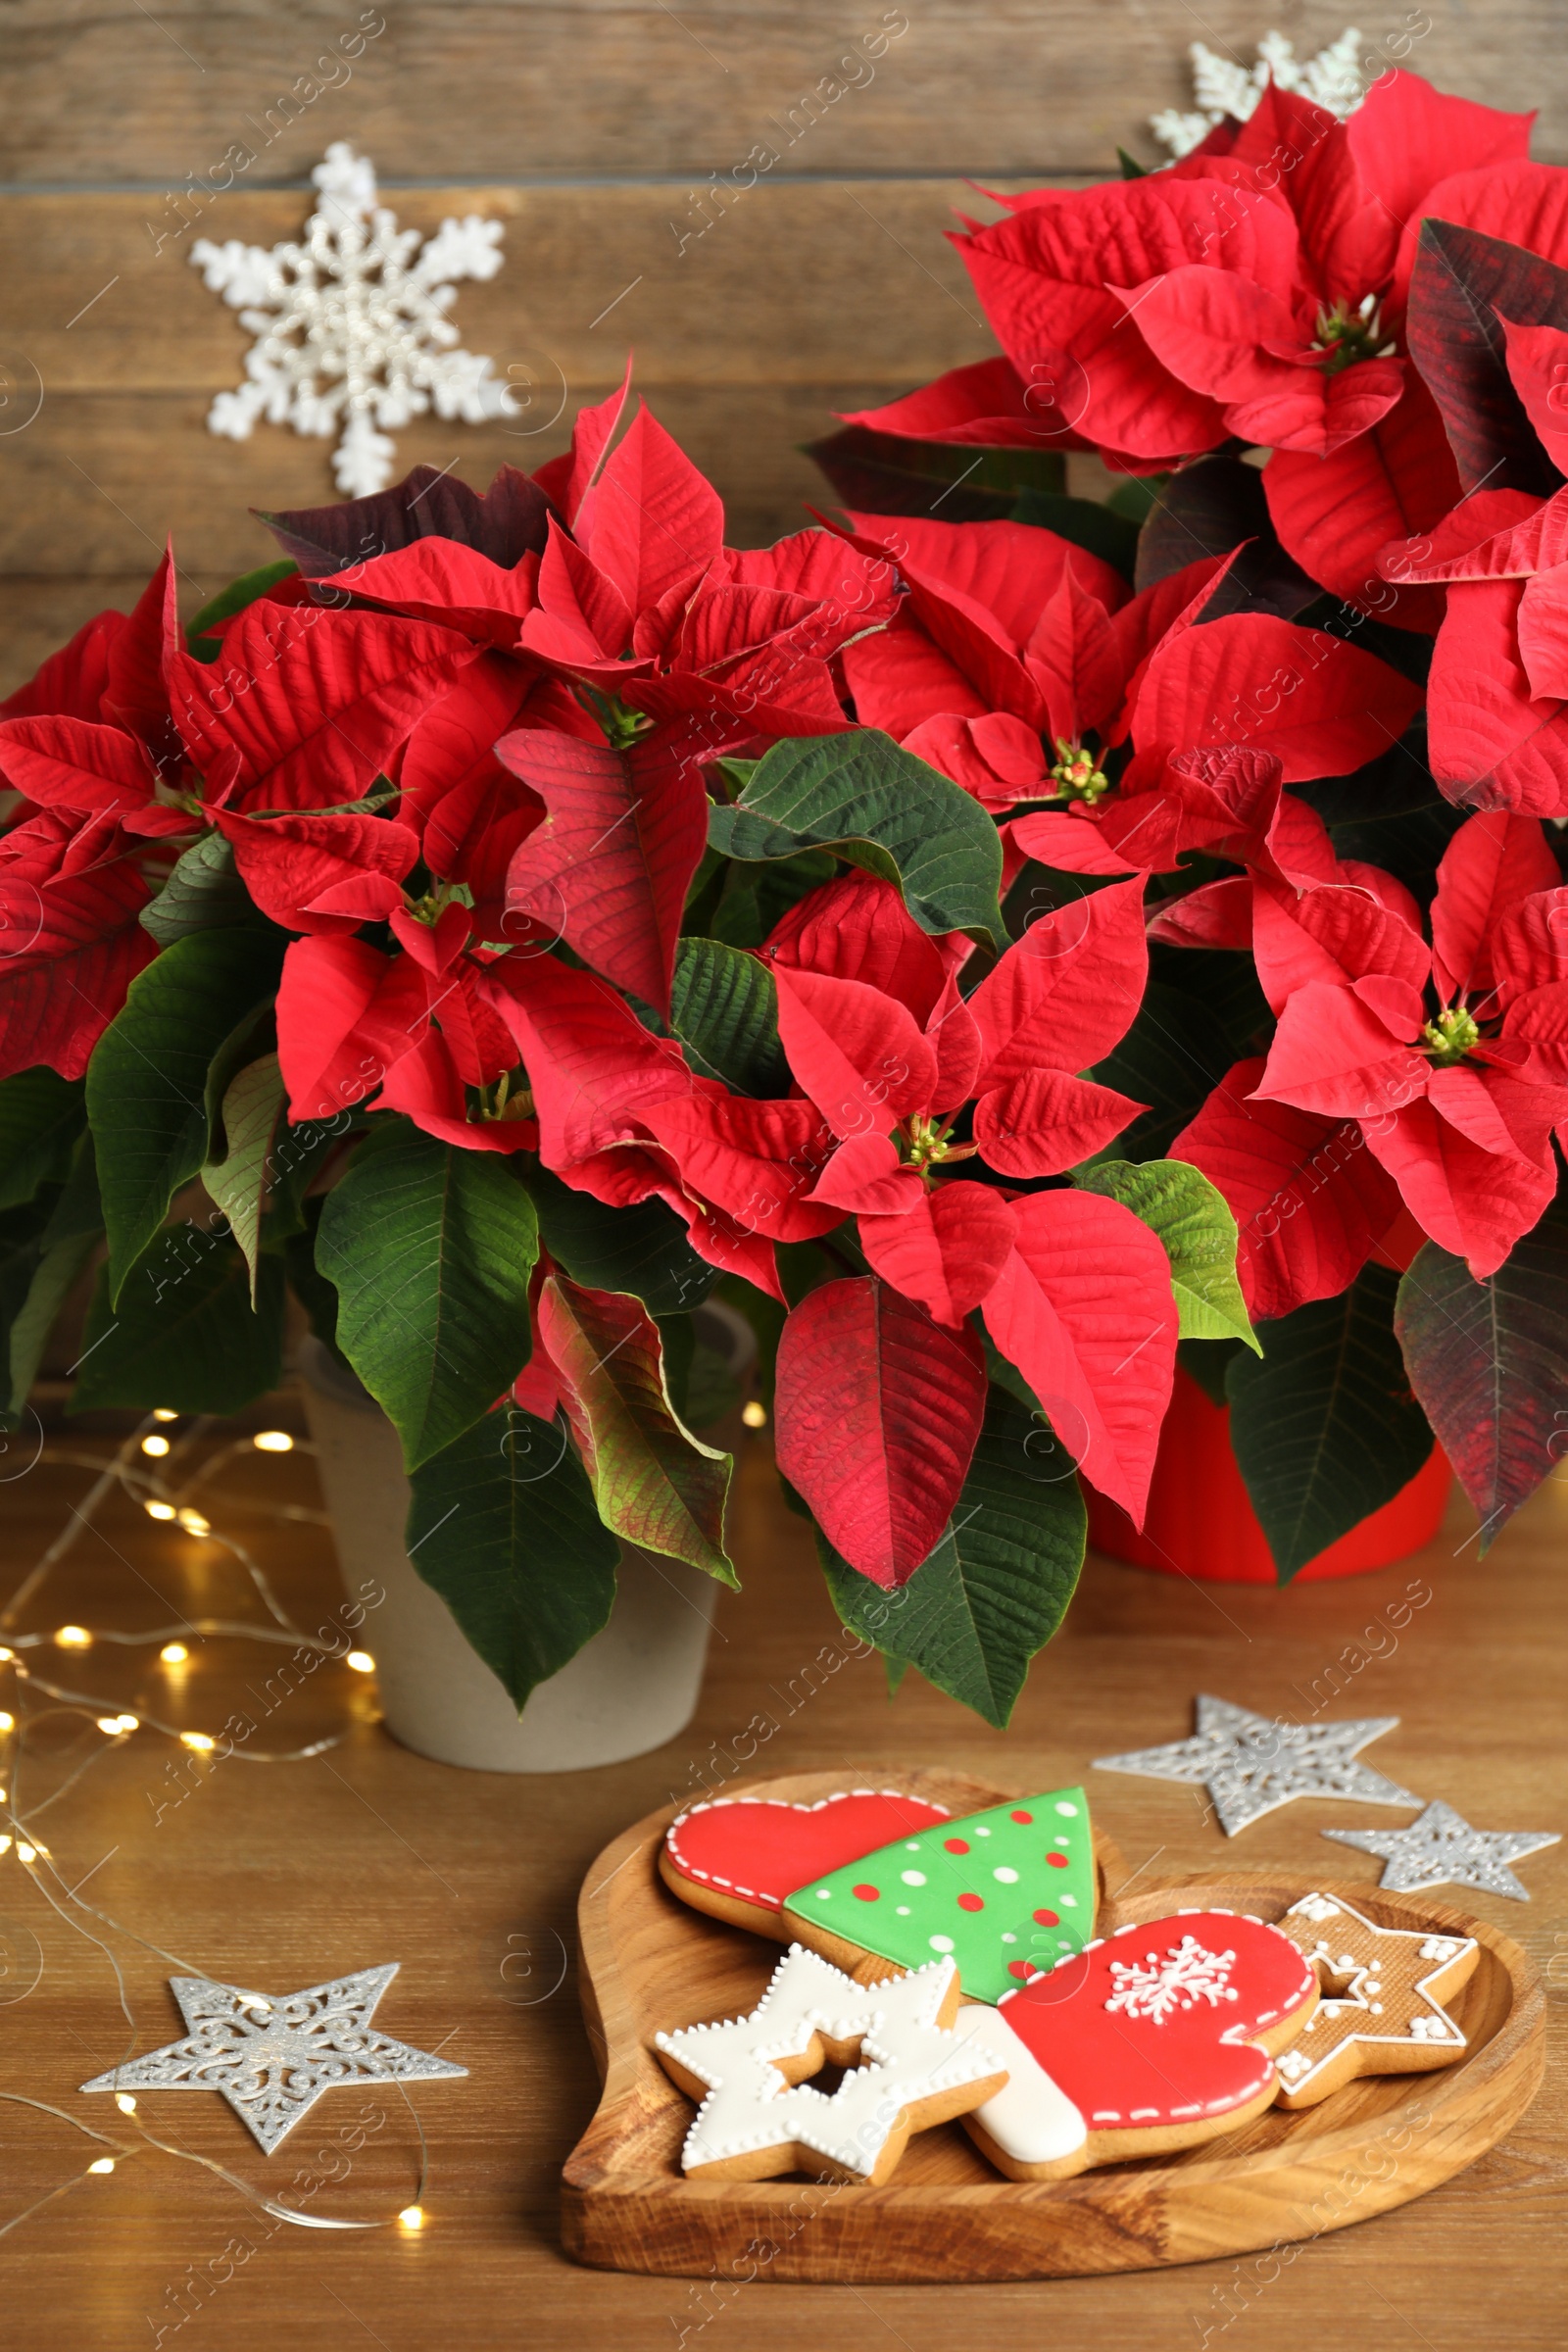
x=1201, y=1524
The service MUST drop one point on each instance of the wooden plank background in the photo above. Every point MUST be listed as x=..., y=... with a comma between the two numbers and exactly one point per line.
x=591, y=127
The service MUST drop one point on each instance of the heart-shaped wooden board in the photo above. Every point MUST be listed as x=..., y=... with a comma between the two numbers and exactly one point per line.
x=649, y=1962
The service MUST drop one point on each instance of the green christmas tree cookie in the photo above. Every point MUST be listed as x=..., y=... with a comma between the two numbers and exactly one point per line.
x=1007, y=1892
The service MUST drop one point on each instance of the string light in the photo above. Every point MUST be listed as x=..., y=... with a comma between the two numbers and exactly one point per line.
x=754, y=1414
x=122, y=1471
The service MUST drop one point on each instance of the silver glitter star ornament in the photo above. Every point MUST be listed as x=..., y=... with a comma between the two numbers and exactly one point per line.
x=272, y=2059
x=1251, y=1763
x=1442, y=1850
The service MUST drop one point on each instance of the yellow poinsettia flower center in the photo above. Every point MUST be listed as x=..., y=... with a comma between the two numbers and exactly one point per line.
x=1076, y=772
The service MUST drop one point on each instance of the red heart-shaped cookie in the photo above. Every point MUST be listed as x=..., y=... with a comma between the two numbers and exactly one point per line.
x=1163, y=2034
x=739, y=1857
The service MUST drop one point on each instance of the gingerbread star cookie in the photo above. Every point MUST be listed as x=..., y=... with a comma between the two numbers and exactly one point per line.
x=1383, y=1992
x=1161, y=2035
x=737, y=1857
x=1004, y=1892
x=760, y=2115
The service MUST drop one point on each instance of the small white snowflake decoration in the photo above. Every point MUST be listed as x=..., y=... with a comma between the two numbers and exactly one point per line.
x=1182, y=1975
x=350, y=326
x=1223, y=85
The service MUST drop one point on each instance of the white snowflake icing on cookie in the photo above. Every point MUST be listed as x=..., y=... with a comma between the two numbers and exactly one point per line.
x=1185, y=1975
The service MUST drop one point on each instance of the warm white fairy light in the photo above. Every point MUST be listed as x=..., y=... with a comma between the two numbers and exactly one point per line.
x=164, y=1412
x=173, y=1654
x=8, y=1723
x=273, y=1441
x=202, y=1742
x=754, y=1414
x=361, y=1660
x=102, y=2164
x=72, y=1637
x=159, y=1510
x=195, y=1523
x=156, y=1446
x=26, y=1852
x=5, y=1843
x=108, y=1724
x=124, y=2102
x=412, y=2217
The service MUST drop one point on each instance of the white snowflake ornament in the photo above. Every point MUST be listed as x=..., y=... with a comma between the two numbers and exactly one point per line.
x=350, y=326
x=1223, y=85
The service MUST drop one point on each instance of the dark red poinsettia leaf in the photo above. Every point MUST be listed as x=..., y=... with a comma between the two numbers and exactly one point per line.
x=1461, y=281
x=609, y=869
x=505, y=523
x=1488, y=1364
x=878, y=1410
x=1310, y=1200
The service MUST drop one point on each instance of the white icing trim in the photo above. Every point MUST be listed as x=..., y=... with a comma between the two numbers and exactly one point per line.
x=782, y=1804
x=907, y=2057
x=1446, y=2034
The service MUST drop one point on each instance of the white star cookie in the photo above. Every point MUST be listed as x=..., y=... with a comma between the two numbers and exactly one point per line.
x=760, y=2115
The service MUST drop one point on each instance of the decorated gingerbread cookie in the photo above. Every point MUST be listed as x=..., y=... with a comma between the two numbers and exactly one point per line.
x=1161, y=2035
x=760, y=2115
x=1383, y=1991
x=737, y=1857
x=1005, y=1893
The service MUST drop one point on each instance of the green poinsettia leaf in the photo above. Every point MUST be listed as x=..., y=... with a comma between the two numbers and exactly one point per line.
x=182, y=1331
x=33, y=1297
x=503, y=1525
x=997, y=1587
x=1194, y=1221
x=429, y=1248
x=1325, y=1427
x=656, y=1484
x=876, y=805
x=230, y=601
x=641, y=1249
x=1488, y=1361
x=42, y=1116
x=724, y=1009
x=203, y=892
x=147, y=1080
x=253, y=1105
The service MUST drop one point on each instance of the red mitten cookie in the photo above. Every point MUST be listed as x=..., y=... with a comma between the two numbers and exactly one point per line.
x=739, y=1857
x=1162, y=2034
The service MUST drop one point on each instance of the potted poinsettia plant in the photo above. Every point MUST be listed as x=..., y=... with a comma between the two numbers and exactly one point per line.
x=1327, y=358
x=495, y=908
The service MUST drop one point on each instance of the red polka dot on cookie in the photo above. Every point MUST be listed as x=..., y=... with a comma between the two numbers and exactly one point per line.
x=1058, y=1861
x=869, y=1894
x=956, y=1845
x=1048, y=1919
x=1019, y=1968
x=970, y=1902
x=1022, y=1817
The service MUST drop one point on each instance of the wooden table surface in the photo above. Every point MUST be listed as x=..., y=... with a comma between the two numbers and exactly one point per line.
x=284, y=1875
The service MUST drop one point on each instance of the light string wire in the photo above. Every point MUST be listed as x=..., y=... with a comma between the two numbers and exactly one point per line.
x=130, y=1471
